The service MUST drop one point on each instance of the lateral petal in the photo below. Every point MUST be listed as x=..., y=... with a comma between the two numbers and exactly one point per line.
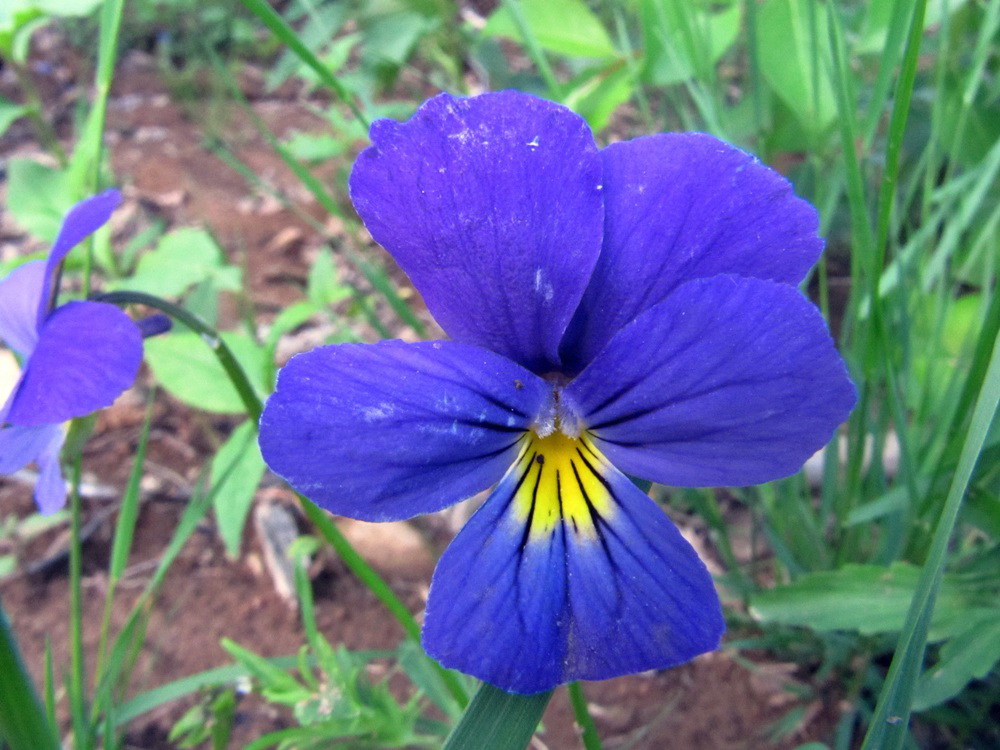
x=568, y=572
x=20, y=291
x=87, y=354
x=731, y=381
x=492, y=206
x=387, y=431
x=683, y=206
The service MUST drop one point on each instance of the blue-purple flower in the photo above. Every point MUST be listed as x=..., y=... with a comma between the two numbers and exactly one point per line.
x=625, y=311
x=76, y=358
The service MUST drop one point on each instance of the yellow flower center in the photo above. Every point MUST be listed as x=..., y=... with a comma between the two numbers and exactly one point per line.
x=561, y=479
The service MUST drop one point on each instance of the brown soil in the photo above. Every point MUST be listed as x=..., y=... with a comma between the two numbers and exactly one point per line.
x=159, y=155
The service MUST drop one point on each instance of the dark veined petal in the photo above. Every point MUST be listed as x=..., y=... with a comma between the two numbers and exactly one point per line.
x=85, y=218
x=391, y=430
x=87, y=354
x=568, y=572
x=680, y=207
x=732, y=381
x=20, y=291
x=492, y=205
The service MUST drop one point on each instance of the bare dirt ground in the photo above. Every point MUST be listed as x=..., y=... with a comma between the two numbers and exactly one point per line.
x=161, y=160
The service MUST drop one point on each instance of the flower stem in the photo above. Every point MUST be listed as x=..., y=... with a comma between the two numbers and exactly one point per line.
x=78, y=712
x=498, y=720
x=591, y=740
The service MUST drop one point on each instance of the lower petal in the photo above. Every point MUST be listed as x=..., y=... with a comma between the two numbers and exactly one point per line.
x=568, y=572
x=50, y=492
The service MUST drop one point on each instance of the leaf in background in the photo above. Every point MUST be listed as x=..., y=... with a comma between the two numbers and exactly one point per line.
x=322, y=288
x=9, y=112
x=598, y=93
x=681, y=39
x=189, y=370
x=969, y=655
x=876, y=24
x=866, y=598
x=37, y=197
x=236, y=472
x=565, y=27
x=795, y=58
x=182, y=259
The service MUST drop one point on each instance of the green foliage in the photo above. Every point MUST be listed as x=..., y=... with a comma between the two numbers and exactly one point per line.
x=237, y=469
x=189, y=370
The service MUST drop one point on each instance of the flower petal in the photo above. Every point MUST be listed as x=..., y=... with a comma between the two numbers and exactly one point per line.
x=19, y=446
x=50, y=491
x=492, y=205
x=388, y=431
x=731, y=381
x=87, y=354
x=680, y=207
x=606, y=586
x=81, y=221
x=20, y=291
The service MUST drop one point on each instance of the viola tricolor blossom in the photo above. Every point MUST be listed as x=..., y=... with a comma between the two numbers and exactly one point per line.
x=615, y=312
x=76, y=358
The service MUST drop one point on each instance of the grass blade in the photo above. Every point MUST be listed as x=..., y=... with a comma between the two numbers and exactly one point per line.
x=889, y=725
x=498, y=720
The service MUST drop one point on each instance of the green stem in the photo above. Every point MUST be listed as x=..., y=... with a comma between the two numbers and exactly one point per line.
x=23, y=725
x=78, y=711
x=36, y=112
x=591, y=740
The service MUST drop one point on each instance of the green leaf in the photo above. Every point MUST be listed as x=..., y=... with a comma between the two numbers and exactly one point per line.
x=599, y=94
x=865, y=598
x=876, y=24
x=23, y=724
x=498, y=720
x=565, y=27
x=182, y=259
x=236, y=472
x=795, y=58
x=323, y=288
x=969, y=655
x=190, y=371
x=37, y=197
x=680, y=39
x=9, y=112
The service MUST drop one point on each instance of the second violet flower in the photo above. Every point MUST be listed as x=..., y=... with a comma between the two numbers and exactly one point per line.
x=631, y=309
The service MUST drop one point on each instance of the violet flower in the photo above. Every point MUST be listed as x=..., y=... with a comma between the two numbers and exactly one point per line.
x=77, y=357
x=629, y=310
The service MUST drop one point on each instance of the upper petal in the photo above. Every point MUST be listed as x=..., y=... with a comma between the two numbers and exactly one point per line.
x=568, y=572
x=81, y=221
x=20, y=292
x=492, y=205
x=391, y=430
x=731, y=381
x=87, y=354
x=680, y=207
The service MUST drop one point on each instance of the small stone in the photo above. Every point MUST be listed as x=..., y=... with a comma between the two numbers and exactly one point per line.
x=393, y=548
